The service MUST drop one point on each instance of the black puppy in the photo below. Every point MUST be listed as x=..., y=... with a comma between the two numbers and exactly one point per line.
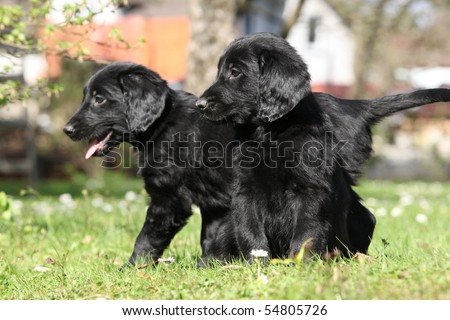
x=321, y=142
x=182, y=156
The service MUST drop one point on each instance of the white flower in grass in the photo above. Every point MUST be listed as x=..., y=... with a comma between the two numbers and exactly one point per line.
x=107, y=208
x=425, y=205
x=42, y=208
x=421, y=218
x=17, y=207
x=381, y=212
x=97, y=202
x=262, y=279
x=130, y=196
x=67, y=200
x=41, y=269
x=396, y=212
x=259, y=253
x=406, y=199
x=166, y=260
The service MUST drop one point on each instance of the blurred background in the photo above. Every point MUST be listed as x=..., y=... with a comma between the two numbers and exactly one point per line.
x=354, y=49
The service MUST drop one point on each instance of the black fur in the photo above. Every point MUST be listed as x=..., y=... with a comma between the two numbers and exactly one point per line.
x=138, y=107
x=263, y=87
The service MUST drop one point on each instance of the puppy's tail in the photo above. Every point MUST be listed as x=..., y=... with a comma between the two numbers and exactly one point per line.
x=380, y=108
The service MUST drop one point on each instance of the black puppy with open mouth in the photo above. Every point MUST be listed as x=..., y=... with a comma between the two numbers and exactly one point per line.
x=321, y=143
x=126, y=102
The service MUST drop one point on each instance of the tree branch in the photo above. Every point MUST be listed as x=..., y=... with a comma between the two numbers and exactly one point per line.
x=292, y=19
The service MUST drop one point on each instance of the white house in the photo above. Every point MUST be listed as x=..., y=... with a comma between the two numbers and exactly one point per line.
x=326, y=44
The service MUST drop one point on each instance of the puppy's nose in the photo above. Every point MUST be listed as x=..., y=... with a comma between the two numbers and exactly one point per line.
x=69, y=130
x=201, y=103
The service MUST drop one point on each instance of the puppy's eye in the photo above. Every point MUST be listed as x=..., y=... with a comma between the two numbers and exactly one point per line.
x=235, y=73
x=98, y=100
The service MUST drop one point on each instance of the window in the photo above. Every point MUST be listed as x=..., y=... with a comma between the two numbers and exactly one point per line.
x=313, y=23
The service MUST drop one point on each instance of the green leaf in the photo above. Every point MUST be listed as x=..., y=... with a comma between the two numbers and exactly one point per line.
x=5, y=206
x=301, y=254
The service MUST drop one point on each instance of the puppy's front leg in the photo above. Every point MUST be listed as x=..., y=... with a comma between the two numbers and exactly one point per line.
x=249, y=227
x=361, y=224
x=166, y=215
x=217, y=238
x=311, y=228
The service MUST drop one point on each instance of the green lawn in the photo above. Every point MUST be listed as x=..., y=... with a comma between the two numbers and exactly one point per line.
x=56, y=246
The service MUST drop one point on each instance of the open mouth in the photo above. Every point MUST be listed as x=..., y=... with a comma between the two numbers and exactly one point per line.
x=97, y=144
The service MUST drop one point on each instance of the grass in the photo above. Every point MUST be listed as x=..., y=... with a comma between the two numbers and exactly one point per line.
x=70, y=246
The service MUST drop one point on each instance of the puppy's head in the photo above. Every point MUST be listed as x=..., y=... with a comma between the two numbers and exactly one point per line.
x=119, y=101
x=260, y=77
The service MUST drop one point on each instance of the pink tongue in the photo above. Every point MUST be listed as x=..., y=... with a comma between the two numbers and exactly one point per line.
x=93, y=146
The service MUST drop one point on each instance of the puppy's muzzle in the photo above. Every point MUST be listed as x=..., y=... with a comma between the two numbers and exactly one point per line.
x=69, y=130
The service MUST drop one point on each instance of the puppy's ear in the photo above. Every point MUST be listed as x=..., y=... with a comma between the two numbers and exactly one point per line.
x=145, y=95
x=283, y=82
